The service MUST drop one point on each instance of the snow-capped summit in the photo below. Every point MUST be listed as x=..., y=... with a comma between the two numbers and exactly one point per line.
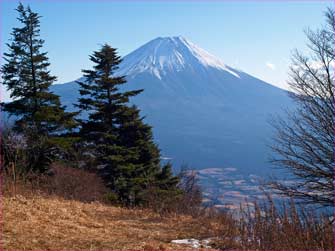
x=164, y=55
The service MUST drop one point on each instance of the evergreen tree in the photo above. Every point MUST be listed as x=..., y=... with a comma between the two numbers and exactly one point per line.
x=114, y=132
x=166, y=180
x=25, y=73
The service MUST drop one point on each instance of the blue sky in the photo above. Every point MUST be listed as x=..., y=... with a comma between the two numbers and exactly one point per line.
x=254, y=36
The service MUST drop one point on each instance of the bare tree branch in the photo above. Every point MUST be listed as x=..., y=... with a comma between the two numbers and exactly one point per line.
x=304, y=141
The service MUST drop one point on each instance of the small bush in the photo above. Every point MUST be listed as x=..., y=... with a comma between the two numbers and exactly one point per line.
x=111, y=198
x=191, y=200
x=267, y=226
x=286, y=227
x=75, y=184
x=185, y=199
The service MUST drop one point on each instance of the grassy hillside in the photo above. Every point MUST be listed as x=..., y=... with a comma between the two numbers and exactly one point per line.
x=53, y=223
x=67, y=211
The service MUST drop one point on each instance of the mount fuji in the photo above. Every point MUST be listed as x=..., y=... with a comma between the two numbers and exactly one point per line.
x=204, y=113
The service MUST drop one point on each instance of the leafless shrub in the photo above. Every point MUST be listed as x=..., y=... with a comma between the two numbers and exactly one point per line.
x=74, y=184
x=191, y=200
x=13, y=159
x=268, y=226
x=65, y=182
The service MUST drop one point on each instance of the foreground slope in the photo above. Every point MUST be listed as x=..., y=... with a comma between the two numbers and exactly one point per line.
x=50, y=223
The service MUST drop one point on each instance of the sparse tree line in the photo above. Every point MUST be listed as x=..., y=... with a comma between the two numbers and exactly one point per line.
x=114, y=141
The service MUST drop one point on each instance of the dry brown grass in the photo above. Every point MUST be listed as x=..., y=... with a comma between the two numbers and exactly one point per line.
x=50, y=223
x=286, y=227
x=66, y=212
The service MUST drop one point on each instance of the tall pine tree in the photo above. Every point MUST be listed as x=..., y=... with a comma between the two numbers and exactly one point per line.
x=39, y=114
x=115, y=132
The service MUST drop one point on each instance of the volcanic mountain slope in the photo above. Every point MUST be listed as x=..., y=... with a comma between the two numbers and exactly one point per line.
x=204, y=113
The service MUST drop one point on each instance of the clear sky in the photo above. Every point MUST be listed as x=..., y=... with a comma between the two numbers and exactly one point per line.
x=254, y=36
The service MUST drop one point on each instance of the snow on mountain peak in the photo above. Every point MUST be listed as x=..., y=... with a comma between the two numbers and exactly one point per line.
x=169, y=54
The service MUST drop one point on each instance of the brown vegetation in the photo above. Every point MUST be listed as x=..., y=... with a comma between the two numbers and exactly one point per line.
x=54, y=223
x=65, y=182
x=68, y=208
x=57, y=216
x=271, y=227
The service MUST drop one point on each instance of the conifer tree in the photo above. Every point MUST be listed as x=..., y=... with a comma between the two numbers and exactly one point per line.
x=167, y=185
x=115, y=132
x=25, y=74
x=166, y=179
